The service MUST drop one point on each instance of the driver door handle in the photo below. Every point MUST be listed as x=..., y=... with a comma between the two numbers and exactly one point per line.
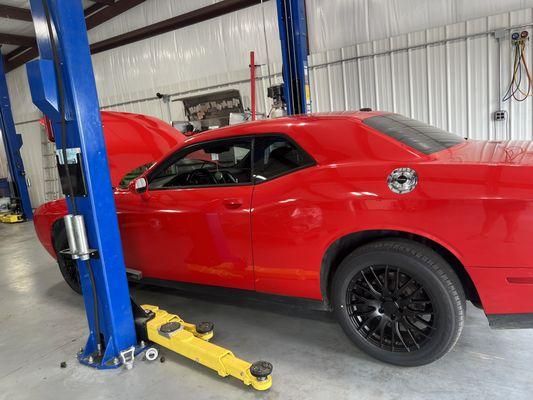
x=232, y=203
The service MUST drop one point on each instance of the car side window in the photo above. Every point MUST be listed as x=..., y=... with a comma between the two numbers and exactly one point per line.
x=135, y=173
x=217, y=163
x=275, y=156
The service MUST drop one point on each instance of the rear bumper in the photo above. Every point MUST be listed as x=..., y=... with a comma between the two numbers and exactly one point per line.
x=504, y=291
x=511, y=321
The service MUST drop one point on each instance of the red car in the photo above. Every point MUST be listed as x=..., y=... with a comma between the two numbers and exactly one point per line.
x=391, y=223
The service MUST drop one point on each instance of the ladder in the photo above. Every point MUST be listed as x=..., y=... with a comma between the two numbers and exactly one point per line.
x=52, y=185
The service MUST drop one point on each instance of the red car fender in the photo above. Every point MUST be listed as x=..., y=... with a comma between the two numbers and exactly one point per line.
x=44, y=218
x=404, y=230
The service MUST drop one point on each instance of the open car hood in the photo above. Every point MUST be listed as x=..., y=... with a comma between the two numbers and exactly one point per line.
x=133, y=140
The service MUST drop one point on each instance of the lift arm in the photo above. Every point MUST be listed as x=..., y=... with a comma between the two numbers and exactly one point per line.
x=192, y=341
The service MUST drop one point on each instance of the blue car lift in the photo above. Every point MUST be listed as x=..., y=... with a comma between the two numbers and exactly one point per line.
x=63, y=88
x=292, y=23
x=12, y=145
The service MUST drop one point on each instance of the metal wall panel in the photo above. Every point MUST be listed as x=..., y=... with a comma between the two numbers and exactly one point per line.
x=338, y=23
x=33, y=162
x=436, y=74
x=449, y=76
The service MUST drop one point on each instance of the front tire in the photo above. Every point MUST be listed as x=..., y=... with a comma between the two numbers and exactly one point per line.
x=67, y=266
x=399, y=302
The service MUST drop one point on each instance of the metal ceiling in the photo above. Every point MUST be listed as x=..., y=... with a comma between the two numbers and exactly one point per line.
x=16, y=27
x=19, y=27
x=98, y=12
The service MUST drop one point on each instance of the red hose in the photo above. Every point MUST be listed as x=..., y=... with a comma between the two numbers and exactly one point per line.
x=252, y=84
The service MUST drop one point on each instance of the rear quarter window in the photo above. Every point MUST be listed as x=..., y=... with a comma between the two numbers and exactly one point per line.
x=420, y=136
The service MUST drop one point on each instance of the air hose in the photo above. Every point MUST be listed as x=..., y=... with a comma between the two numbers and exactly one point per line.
x=520, y=71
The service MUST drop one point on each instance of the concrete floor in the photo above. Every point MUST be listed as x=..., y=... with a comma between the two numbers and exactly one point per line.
x=43, y=324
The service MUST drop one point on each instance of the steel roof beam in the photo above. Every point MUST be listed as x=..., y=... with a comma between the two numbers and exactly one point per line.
x=174, y=23
x=20, y=56
x=95, y=15
x=10, y=12
x=110, y=12
x=17, y=40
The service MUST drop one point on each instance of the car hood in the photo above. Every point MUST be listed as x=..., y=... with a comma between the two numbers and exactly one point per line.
x=489, y=152
x=133, y=140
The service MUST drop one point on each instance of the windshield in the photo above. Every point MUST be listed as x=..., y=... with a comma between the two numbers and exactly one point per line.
x=418, y=135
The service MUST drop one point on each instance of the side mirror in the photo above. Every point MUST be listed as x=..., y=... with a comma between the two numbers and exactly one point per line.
x=139, y=185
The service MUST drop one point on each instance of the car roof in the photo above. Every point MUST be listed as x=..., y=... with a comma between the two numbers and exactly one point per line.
x=273, y=125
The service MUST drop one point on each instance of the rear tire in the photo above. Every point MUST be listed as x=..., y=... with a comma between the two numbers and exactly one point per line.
x=67, y=266
x=399, y=301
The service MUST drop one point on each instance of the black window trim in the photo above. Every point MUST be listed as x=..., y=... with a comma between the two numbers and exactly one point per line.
x=312, y=162
x=251, y=138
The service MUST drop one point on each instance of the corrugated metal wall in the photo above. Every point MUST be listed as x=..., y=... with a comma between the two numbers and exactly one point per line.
x=338, y=23
x=445, y=75
x=238, y=80
x=448, y=76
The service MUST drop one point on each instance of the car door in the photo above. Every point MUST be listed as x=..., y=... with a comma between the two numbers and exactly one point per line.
x=286, y=220
x=193, y=223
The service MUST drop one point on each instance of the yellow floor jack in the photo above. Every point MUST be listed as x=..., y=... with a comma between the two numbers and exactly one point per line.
x=11, y=218
x=192, y=341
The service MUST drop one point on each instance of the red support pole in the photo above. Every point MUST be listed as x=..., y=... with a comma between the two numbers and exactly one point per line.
x=252, y=84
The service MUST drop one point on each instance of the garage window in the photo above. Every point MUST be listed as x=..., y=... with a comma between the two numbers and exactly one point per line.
x=418, y=135
x=277, y=155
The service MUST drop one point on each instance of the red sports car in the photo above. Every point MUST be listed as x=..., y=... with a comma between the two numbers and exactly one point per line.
x=391, y=223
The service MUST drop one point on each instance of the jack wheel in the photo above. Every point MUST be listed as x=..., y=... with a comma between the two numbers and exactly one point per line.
x=151, y=354
x=205, y=327
x=261, y=369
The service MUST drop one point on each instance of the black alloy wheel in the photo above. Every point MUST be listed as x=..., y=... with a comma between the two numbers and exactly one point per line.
x=67, y=266
x=390, y=309
x=399, y=301
x=70, y=273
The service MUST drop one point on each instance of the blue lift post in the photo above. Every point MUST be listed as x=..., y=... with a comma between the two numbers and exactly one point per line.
x=12, y=145
x=84, y=147
x=292, y=23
